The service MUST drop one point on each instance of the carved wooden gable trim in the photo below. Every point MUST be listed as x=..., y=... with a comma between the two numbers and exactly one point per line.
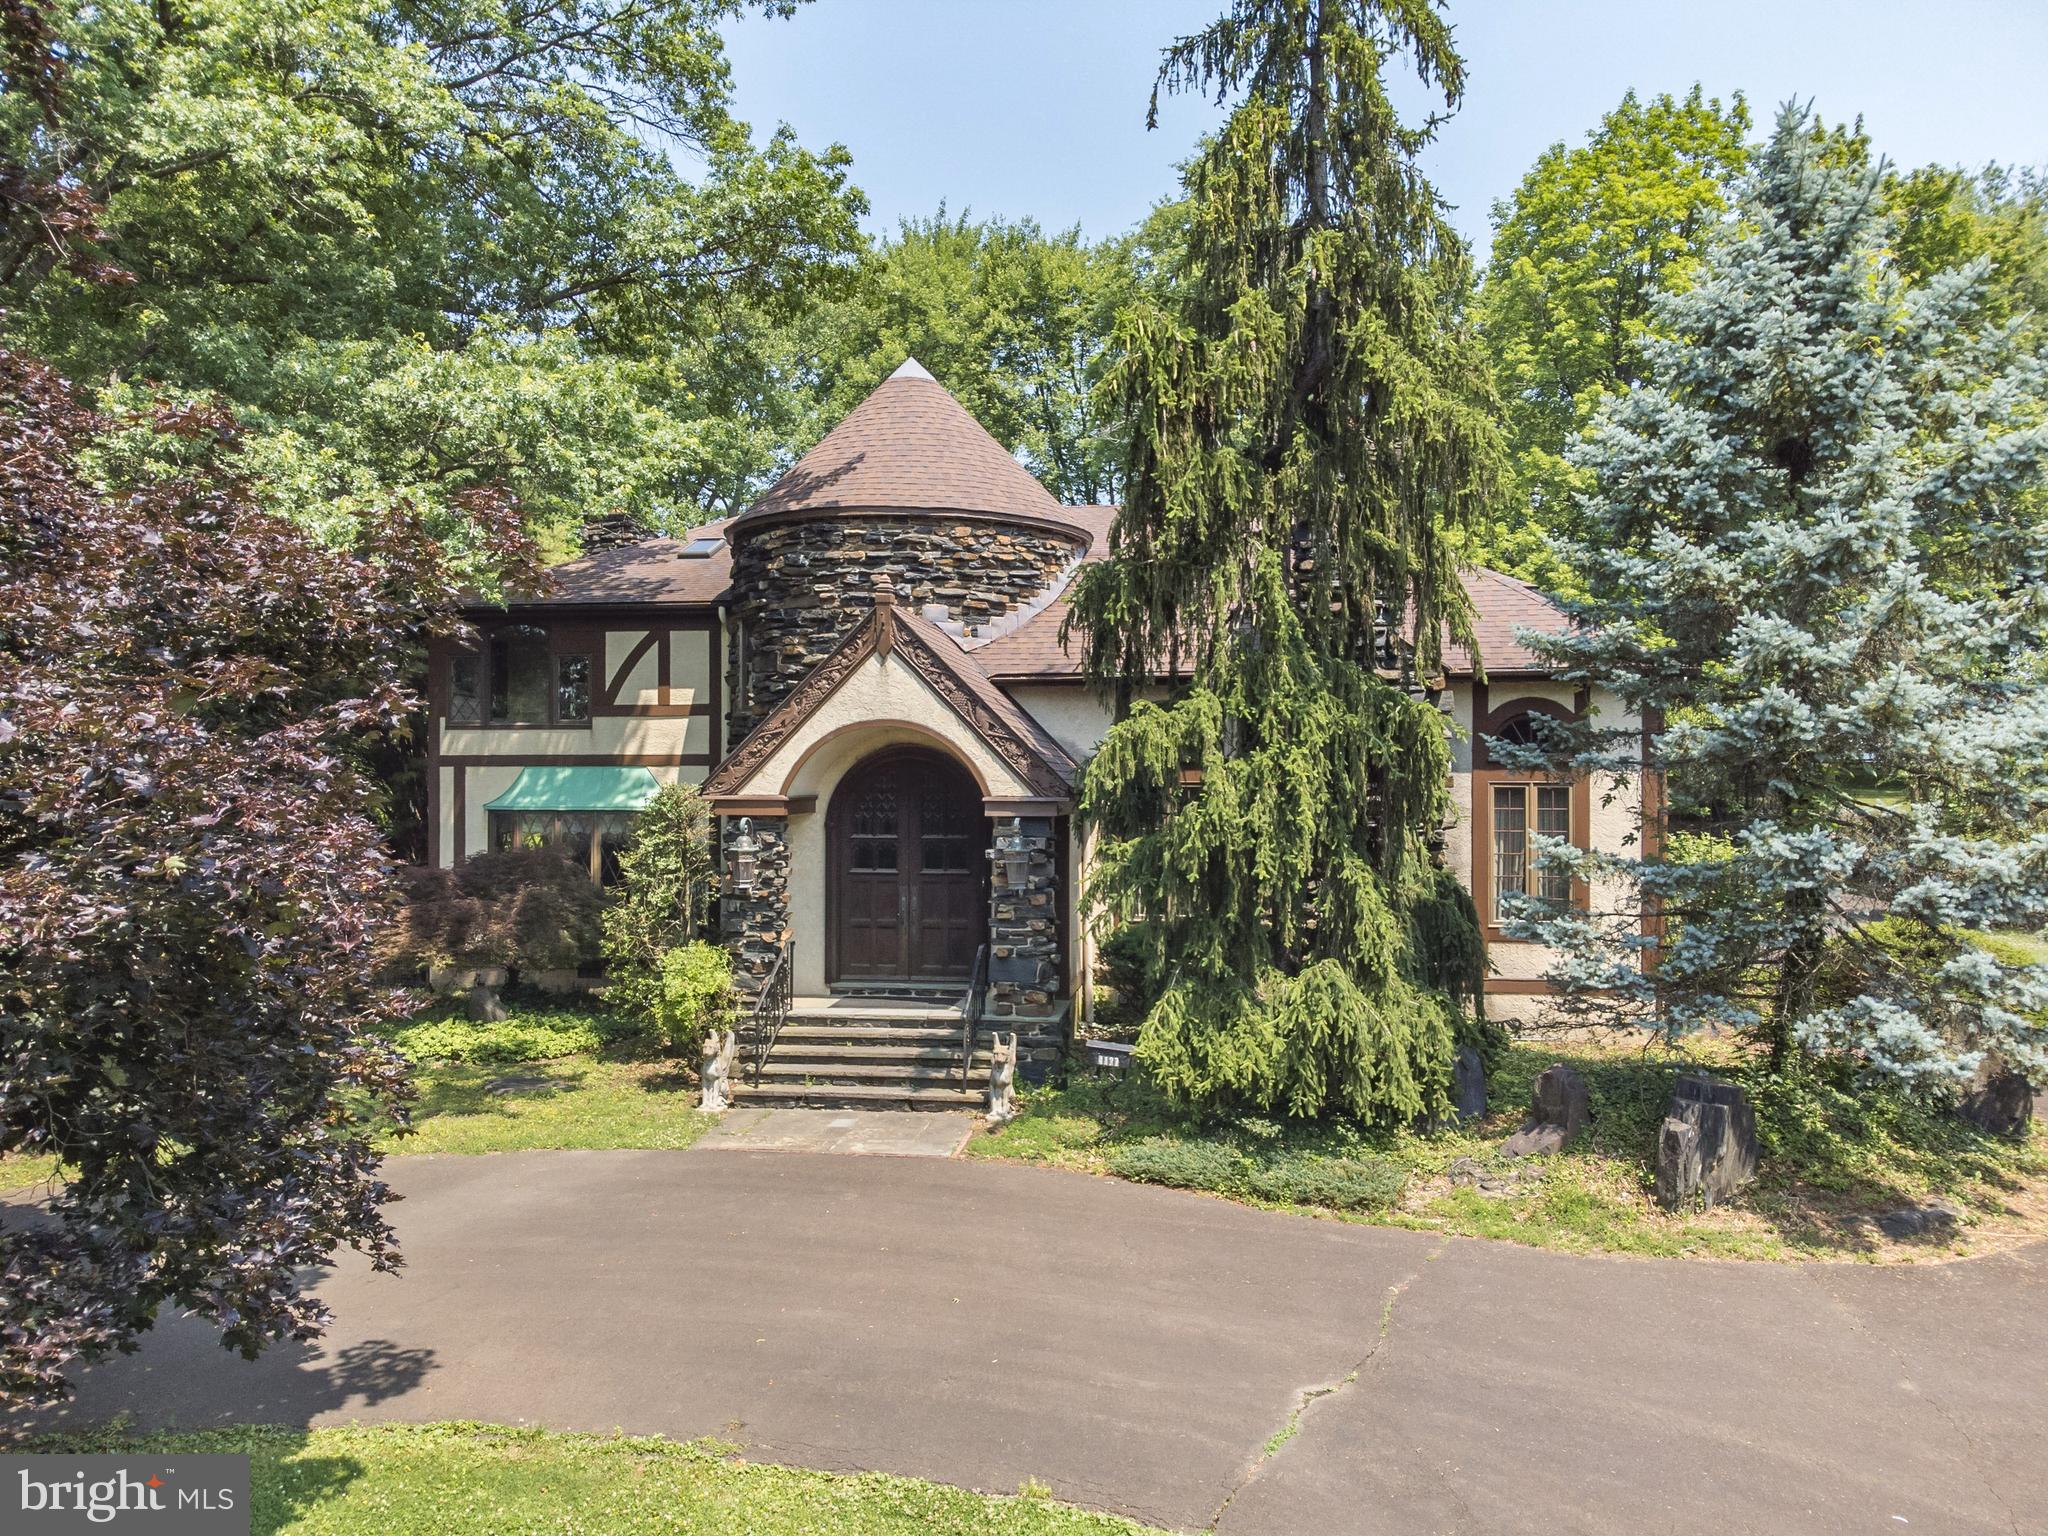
x=883, y=633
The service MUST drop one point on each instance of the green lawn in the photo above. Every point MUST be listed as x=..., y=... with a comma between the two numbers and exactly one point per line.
x=1833, y=1154
x=479, y=1480
x=580, y=1102
x=543, y=1078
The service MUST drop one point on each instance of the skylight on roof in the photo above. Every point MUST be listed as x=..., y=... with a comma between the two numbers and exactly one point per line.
x=702, y=549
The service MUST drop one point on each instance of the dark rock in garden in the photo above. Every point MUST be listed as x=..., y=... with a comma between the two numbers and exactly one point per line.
x=485, y=1006
x=518, y=1082
x=1678, y=1163
x=1920, y=1220
x=1468, y=1085
x=2002, y=1103
x=1558, y=1111
x=1719, y=1156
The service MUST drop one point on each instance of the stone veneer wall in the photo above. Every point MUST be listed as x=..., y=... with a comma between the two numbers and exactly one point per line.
x=799, y=586
x=1024, y=952
x=755, y=922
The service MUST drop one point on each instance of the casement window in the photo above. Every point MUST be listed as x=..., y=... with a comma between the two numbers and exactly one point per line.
x=1518, y=811
x=592, y=838
x=518, y=678
x=465, y=689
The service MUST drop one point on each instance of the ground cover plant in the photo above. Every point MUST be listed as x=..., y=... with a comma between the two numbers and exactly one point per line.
x=1836, y=1151
x=483, y=1480
x=547, y=1076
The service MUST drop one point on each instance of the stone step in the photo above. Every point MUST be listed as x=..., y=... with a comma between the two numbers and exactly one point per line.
x=813, y=1032
x=933, y=1074
x=859, y=1096
x=838, y=1050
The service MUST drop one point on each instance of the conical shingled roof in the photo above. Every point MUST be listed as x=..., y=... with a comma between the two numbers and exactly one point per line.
x=909, y=445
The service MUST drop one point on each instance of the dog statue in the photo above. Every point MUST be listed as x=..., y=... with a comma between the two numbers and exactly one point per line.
x=1002, y=1081
x=719, y=1051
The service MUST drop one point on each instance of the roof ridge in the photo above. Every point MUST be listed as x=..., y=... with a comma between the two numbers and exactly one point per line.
x=909, y=445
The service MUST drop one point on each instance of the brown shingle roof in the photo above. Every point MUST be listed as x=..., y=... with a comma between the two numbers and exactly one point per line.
x=1501, y=604
x=647, y=571
x=963, y=665
x=909, y=444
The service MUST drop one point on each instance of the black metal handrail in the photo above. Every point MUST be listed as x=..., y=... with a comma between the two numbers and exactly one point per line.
x=771, y=1007
x=970, y=1011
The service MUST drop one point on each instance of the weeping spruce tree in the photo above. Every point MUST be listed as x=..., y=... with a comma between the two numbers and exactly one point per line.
x=1308, y=418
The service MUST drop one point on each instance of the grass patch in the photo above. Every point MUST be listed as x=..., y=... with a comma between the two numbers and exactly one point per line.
x=579, y=1102
x=1835, y=1153
x=479, y=1480
x=542, y=1078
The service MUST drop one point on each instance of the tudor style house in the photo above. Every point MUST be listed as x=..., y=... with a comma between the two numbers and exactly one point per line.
x=864, y=670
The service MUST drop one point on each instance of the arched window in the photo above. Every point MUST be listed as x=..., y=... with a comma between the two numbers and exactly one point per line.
x=1518, y=732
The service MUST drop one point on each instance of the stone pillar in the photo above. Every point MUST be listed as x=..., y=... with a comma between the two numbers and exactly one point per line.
x=755, y=922
x=1024, y=942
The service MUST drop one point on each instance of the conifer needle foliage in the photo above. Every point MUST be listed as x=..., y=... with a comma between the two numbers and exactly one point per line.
x=1815, y=550
x=1309, y=423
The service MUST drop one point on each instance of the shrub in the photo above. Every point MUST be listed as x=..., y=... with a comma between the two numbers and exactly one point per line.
x=529, y=909
x=522, y=1037
x=1343, y=1184
x=662, y=898
x=696, y=995
x=1181, y=1164
x=1120, y=959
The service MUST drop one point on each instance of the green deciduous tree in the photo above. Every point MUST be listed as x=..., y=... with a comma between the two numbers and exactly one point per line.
x=1944, y=218
x=420, y=245
x=1579, y=253
x=1309, y=424
x=1814, y=551
x=1014, y=321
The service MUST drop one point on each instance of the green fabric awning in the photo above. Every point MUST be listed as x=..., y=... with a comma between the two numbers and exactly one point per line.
x=577, y=789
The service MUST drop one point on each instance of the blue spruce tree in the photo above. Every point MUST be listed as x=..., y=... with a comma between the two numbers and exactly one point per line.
x=1816, y=566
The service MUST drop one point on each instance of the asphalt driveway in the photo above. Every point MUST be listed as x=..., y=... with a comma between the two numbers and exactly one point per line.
x=1179, y=1359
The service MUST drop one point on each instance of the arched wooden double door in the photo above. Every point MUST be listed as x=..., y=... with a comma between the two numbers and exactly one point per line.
x=908, y=843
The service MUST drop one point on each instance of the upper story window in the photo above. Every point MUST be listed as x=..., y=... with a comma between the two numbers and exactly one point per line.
x=518, y=677
x=520, y=664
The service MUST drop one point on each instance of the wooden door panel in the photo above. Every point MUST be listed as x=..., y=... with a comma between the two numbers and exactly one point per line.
x=906, y=840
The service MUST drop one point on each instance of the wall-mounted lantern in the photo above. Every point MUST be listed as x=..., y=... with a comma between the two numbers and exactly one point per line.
x=1013, y=850
x=746, y=853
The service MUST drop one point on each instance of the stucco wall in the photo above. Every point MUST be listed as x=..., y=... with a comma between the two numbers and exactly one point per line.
x=882, y=695
x=1613, y=817
x=1070, y=713
x=673, y=743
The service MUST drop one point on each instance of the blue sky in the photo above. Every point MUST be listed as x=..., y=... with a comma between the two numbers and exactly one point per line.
x=1037, y=107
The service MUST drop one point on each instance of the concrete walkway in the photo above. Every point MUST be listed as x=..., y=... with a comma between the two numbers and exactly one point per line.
x=1179, y=1359
x=863, y=1132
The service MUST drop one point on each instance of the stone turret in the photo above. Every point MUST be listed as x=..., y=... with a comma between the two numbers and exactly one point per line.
x=909, y=487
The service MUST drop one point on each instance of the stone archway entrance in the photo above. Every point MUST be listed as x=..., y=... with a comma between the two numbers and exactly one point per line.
x=907, y=897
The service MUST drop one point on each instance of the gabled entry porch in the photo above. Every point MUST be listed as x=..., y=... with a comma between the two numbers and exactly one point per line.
x=895, y=832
